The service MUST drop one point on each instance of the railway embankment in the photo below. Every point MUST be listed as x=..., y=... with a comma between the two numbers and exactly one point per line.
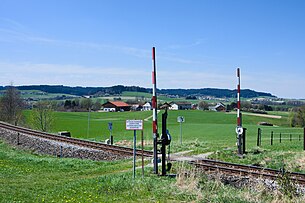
x=55, y=148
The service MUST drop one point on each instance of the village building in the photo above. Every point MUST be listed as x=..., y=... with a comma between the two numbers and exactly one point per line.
x=165, y=106
x=218, y=107
x=147, y=106
x=115, y=106
x=136, y=107
x=180, y=106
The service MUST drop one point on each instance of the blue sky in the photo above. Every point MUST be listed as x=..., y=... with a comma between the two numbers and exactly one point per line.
x=199, y=43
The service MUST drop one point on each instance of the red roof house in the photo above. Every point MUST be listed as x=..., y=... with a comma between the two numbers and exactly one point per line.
x=116, y=106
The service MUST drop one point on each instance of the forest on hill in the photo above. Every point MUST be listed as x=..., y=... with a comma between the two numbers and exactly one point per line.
x=118, y=89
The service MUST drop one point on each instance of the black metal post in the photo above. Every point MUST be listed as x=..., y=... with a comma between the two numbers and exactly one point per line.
x=164, y=142
x=111, y=139
x=258, y=132
x=271, y=138
x=260, y=137
x=280, y=137
x=156, y=154
x=244, y=140
x=290, y=137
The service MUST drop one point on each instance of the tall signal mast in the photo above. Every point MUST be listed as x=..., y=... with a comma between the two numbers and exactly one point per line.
x=155, y=114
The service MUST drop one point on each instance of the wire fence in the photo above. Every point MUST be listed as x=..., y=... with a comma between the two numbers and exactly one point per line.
x=280, y=135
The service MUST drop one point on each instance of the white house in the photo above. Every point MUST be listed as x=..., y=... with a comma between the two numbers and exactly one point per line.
x=218, y=107
x=147, y=106
x=173, y=106
x=180, y=106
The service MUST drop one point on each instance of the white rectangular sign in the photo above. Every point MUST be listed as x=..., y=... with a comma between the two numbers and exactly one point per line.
x=134, y=124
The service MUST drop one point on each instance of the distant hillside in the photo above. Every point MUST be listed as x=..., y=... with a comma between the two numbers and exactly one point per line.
x=80, y=91
x=219, y=93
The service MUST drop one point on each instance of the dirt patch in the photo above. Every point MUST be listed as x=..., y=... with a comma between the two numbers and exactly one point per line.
x=259, y=115
x=180, y=156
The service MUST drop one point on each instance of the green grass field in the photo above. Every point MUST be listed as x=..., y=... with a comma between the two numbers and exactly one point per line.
x=37, y=94
x=202, y=132
x=214, y=128
x=27, y=177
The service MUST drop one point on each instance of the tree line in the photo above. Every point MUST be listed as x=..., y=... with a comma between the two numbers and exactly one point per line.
x=118, y=89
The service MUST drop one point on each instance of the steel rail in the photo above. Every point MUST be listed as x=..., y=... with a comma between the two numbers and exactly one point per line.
x=239, y=169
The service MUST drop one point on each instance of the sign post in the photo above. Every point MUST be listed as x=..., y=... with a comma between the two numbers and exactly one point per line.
x=134, y=125
x=134, y=153
x=180, y=119
x=142, y=143
x=110, y=129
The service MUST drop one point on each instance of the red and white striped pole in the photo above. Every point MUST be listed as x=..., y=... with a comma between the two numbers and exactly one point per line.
x=238, y=99
x=239, y=129
x=155, y=115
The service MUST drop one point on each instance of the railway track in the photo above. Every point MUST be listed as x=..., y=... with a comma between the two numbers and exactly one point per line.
x=204, y=164
x=246, y=170
x=84, y=143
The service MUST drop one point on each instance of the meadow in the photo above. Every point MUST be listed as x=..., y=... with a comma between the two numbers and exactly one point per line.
x=216, y=129
x=29, y=177
x=202, y=132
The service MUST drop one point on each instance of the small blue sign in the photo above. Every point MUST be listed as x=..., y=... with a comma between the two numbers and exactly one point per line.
x=110, y=126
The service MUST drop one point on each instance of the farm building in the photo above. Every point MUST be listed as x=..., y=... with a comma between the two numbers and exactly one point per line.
x=180, y=106
x=115, y=106
x=147, y=106
x=165, y=106
x=136, y=107
x=218, y=107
